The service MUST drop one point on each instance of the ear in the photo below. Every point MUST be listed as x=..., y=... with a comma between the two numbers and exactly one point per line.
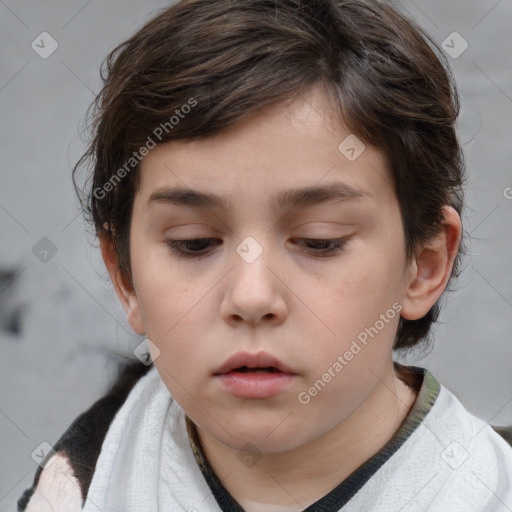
x=124, y=290
x=431, y=267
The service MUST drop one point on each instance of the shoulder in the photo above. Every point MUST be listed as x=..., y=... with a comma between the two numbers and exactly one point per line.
x=453, y=461
x=475, y=432
x=477, y=460
x=454, y=423
x=69, y=472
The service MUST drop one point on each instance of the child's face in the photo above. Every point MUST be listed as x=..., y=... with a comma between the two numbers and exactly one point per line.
x=295, y=301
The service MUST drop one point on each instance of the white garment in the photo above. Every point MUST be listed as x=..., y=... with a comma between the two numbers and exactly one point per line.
x=453, y=462
x=146, y=463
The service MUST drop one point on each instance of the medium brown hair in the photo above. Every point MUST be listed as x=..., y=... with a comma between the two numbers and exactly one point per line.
x=225, y=59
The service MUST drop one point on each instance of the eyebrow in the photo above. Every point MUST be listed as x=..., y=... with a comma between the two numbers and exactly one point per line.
x=284, y=199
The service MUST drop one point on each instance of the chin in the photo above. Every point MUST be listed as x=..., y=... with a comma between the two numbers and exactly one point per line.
x=261, y=436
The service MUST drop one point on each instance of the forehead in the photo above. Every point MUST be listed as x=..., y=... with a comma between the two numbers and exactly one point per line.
x=294, y=149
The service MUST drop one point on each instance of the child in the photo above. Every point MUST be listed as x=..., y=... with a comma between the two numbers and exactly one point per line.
x=277, y=190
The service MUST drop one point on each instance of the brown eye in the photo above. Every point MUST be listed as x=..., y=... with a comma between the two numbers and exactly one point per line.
x=323, y=246
x=192, y=247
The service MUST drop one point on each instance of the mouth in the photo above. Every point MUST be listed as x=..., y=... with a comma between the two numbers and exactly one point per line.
x=254, y=376
x=245, y=369
x=245, y=362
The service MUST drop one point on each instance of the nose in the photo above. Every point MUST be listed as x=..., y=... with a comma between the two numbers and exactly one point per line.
x=256, y=291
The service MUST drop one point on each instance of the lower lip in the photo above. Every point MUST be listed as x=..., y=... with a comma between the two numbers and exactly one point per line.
x=255, y=385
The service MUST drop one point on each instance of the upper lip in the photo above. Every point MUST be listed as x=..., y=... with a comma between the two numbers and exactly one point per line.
x=259, y=360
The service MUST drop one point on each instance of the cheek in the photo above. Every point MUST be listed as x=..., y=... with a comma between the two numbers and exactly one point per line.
x=168, y=308
x=175, y=316
x=355, y=347
x=356, y=311
x=364, y=286
x=162, y=294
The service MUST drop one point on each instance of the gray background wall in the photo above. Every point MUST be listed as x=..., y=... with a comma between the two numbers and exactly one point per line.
x=61, y=325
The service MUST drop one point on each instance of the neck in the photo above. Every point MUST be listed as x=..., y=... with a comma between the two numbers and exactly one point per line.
x=293, y=480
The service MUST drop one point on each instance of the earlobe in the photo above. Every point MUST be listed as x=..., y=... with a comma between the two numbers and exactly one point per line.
x=430, y=270
x=125, y=291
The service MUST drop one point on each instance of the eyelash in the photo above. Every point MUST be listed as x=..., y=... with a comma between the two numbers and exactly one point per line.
x=180, y=246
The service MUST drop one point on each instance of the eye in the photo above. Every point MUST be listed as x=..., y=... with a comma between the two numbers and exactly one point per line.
x=196, y=247
x=322, y=246
x=190, y=248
